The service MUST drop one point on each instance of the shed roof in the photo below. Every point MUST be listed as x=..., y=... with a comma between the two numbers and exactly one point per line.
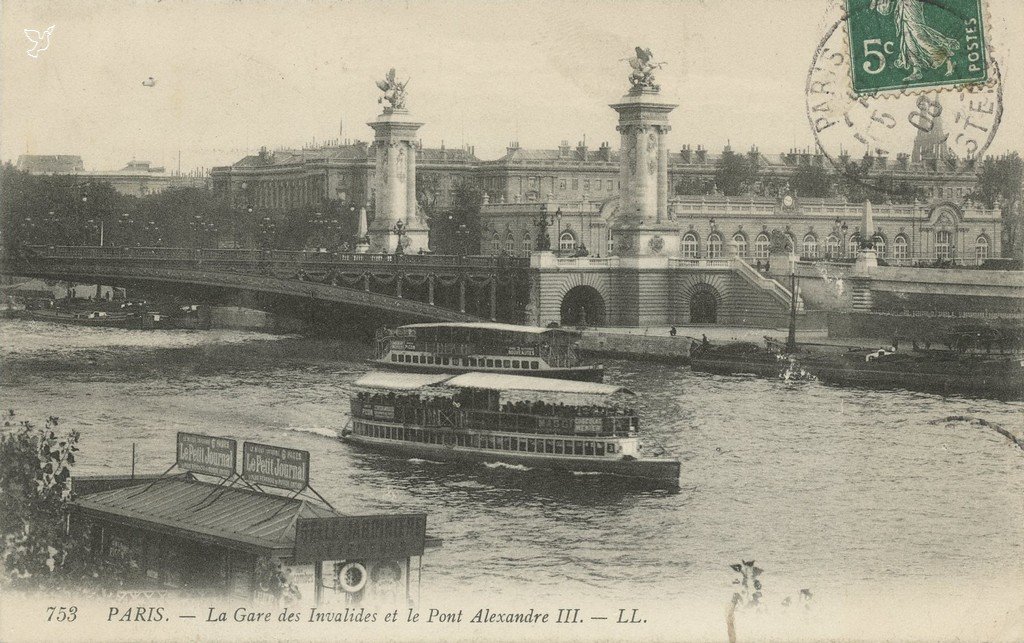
x=238, y=518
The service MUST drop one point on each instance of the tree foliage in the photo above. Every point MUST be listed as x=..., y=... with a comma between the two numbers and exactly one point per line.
x=813, y=181
x=858, y=185
x=65, y=210
x=456, y=230
x=35, y=489
x=735, y=174
x=692, y=185
x=999, y=185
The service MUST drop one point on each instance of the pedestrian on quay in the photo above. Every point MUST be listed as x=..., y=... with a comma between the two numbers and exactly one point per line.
x=672, y=331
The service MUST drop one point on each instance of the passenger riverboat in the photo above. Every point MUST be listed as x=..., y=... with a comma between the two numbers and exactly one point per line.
x=485, y=347
x=495, y=418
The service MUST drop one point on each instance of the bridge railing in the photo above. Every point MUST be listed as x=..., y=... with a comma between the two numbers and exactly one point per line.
x=243, y=255
x=688, y=262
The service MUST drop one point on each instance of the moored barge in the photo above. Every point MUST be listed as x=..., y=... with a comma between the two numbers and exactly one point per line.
x=931, y=371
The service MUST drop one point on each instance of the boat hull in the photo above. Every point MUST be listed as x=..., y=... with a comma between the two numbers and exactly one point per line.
x=588, y=373
x=655, y=472
x=95, y=322
x=999, y=380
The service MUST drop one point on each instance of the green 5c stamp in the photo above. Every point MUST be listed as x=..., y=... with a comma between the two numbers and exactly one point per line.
x=902, y=44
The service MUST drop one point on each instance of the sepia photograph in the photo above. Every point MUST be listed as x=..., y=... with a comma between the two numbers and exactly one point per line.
x=456, y=320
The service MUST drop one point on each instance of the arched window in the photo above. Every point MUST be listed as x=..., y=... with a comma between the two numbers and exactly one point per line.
x=527, y=244
x=943, y=244
x=900, y=247
x=981, y=248
x=853, y=245
x=566, y=242
x=741, y=244
x=496, y=243
x=879, y=245
x=714, y=245
x=810, y=248
x=832, y=246
x=510, y=243
x=761, y=246
x=689, y=247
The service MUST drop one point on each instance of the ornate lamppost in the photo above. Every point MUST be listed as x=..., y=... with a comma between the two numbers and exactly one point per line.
x=462, y=239
x=196, y=224
x=399, y=229
x=267, y=227
x=125, y=222
x=543, y=240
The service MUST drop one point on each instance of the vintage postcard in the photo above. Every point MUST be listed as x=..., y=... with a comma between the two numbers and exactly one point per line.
x=526, y=320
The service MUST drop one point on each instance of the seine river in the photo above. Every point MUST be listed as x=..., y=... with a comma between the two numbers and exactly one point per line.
x=836, y=490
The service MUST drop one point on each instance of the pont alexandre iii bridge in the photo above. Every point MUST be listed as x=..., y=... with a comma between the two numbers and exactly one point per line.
x=396, y=288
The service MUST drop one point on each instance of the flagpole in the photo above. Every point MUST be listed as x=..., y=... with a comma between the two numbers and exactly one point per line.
x=791, y=340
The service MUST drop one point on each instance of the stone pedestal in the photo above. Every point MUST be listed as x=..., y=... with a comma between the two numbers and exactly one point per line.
x=644, y=240
x=395, y=185
x=642, y=226
x=867, y=260
x=781, y=265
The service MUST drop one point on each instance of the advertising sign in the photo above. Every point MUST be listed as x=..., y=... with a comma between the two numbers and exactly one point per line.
x=275, y=466
x=381, y=412
x=360, y=537
x=206, y=454
x=525, y=351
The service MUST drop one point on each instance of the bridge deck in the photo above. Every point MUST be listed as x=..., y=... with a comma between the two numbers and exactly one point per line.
x=342, y=278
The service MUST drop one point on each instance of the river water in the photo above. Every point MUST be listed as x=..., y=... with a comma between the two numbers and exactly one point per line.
x=842, y=491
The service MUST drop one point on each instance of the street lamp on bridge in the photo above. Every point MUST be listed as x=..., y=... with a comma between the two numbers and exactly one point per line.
x=543, y=240
x=399, y=229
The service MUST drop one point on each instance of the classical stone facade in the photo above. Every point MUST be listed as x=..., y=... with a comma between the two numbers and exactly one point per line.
x=292, y=178
x=137, y=178
x=286, y=179
x=815, y=228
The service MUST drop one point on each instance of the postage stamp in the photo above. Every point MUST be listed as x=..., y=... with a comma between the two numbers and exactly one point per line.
x=952, y=125
x=900, y=44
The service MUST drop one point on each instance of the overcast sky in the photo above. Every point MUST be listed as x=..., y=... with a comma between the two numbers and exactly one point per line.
x=232, y=76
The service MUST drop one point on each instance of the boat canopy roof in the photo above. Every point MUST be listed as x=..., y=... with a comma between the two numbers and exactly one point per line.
x=502, y=382
x=401, y=381
x=488, y=381
x=493, y=326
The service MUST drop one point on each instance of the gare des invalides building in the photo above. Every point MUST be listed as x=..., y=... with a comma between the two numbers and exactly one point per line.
x=577, y=189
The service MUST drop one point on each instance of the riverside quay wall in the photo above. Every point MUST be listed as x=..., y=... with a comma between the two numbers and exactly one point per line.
x=652, y=291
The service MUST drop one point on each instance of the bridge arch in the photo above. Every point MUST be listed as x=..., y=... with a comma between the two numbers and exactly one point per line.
x=583, y=305
x=703, y=303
